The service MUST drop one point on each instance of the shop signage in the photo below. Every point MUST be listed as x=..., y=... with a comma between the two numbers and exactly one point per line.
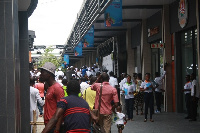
x=157, y=45
x=153, y=31
x=183, y=13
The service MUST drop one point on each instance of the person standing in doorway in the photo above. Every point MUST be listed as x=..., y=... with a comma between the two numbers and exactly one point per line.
x=54, y=93
x=159, y=89
x=187, y=92
x=194, y=97
x=148, y=88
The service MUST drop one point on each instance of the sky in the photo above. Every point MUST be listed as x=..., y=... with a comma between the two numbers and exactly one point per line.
x=53, y=20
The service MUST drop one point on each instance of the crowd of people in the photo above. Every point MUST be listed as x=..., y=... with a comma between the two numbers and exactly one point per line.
x=72, y=97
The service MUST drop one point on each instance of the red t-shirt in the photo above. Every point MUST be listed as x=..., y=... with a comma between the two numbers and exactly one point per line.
x=109, y=93
x=54, y=93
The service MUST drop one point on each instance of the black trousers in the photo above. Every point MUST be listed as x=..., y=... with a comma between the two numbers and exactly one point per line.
x=129, y=107
x=188, y=102
x=149, y=103
x=193, y=107
x=158, y=97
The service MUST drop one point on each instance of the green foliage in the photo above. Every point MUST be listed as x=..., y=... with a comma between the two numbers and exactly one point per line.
x=47, y=56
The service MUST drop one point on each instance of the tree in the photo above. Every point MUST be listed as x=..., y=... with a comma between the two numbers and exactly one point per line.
x=47, y=56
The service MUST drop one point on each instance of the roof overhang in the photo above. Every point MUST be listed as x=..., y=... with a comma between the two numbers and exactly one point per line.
x=133, y=12
x=27, y=5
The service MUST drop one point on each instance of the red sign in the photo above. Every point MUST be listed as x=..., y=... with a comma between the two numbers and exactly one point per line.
x=158, y=45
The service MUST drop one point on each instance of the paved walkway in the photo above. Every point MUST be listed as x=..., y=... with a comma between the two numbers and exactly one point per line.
x=163, y=123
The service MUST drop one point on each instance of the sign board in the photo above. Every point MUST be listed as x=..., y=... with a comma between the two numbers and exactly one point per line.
x=158, y=45
x=153, y=31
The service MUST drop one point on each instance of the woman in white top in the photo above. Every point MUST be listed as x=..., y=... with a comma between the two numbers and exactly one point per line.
x=147, y=87
x=128, y=89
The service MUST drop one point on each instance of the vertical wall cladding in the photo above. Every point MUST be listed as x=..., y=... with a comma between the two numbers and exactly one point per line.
x=174, y=21
x=24, y=71
x=9, y=61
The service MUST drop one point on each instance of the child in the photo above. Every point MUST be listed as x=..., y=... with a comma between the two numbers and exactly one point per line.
x=120, y=122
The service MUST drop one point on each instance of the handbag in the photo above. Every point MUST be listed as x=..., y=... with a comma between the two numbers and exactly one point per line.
x=96, y=127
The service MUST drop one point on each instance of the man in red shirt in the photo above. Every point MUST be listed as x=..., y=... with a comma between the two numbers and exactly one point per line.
x=109, y=94
x=54, y=92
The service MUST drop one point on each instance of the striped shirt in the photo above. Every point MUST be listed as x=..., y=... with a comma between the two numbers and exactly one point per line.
x=76, y=115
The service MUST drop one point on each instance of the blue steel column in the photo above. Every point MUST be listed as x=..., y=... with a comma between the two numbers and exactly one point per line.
x=24, y=72
x=10, y=114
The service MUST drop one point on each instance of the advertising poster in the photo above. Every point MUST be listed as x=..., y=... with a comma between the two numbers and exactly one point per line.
x=113, y=14
x=66, y=59
x=88, y=39
x=78, y=50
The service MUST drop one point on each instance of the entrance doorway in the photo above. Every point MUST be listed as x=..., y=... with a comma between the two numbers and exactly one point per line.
x=186, y=63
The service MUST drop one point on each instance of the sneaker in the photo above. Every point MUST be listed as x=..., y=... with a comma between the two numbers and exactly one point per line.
x=156, y=111
x=145, y=120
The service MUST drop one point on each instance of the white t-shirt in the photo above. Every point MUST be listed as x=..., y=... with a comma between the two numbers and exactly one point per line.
x=84, y=86
x=128, y=88
x=188, y=85
x=146, y=84
x=113, y=81
x=159, y=81
x=194, y=83
x=121, y=118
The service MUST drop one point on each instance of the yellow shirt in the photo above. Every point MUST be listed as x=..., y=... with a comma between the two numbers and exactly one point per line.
x=89, y=97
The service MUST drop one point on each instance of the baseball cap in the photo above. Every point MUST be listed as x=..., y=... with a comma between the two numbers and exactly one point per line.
x=50, y=67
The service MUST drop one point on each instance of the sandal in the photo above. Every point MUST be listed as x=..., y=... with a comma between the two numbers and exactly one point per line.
x=151, y=120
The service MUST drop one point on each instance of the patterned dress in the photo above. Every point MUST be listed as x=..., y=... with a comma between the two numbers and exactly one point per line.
x=139, y=97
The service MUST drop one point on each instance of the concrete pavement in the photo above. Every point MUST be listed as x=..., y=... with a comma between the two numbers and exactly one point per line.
x=163, y=123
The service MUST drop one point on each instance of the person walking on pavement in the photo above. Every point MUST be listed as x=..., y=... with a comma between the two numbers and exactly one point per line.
x=139, y=95
x=89, y=95
x=34, y=99
x=194, y=97
x=54, y=93
x=187, y=92
x=40, y=87
x=128, y=89
x=109, y=93
x=147, y=87
x=74, y=109
x=159, y=89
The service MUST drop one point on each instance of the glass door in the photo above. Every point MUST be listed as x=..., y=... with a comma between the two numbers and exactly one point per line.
x=189, y=55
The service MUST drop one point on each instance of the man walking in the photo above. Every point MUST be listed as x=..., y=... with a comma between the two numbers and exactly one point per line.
x=54, y=92
x=75, y=111
x=109, y=93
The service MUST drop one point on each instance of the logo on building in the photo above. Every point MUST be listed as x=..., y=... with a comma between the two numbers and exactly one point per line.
x=183, y=13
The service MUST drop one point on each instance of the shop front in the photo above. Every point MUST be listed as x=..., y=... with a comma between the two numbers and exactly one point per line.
x=183, y=27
